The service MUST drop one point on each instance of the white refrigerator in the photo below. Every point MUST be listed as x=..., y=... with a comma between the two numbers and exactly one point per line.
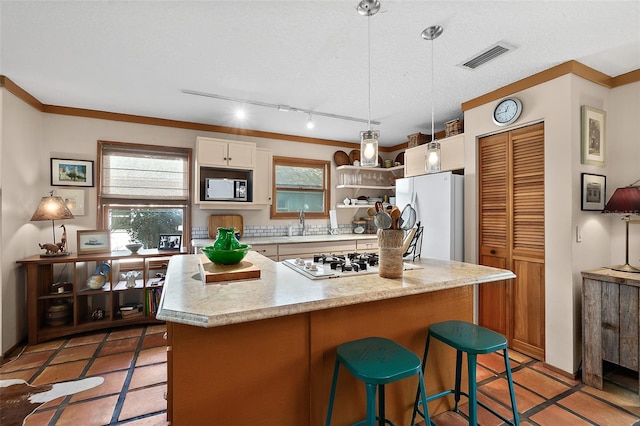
x=438, y=199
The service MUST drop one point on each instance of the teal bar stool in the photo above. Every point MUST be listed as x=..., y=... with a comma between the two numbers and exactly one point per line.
x=473, y=340
x=376, y=361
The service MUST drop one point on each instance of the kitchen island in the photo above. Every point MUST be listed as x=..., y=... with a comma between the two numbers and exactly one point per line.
x=262, y=351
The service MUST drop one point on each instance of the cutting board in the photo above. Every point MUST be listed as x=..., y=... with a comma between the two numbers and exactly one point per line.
x=214, y=273
x=224, y=221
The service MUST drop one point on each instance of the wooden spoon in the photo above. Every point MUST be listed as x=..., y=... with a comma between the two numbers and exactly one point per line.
x=395, y=215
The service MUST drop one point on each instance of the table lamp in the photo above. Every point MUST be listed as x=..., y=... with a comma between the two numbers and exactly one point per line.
x=53, y=208
x=625, y=201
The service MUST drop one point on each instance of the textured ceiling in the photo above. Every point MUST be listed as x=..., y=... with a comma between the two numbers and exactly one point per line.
x=135, y=57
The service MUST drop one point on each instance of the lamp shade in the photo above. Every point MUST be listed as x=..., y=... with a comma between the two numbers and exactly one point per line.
x=624, y=200
x=52, y=208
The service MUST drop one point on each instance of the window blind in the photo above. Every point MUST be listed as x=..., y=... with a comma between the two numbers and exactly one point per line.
x=144, y=173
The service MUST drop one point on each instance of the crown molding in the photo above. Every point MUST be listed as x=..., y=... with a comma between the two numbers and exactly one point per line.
x=570, y=67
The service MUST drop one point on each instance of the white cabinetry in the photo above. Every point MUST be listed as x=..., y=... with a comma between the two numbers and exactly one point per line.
x=451, y=156
x=452, y=153
x=218, y=158
x=267, y=250
x=374, y=180
x=262, y=177
x=222, y=153
x=305, y=250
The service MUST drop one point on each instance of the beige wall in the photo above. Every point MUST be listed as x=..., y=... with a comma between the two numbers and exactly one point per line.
x=557, y=103
x=24, y=182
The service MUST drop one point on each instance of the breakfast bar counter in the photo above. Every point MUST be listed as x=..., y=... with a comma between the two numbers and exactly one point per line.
x=261, y=351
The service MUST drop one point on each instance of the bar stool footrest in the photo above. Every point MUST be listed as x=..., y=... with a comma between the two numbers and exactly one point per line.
x=364, y=422
x=466, y=395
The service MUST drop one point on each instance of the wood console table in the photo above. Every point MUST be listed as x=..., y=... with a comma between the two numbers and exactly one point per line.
x=57, y=284
x=610, y=322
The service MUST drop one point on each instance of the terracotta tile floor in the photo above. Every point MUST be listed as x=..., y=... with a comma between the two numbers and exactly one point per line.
x=133, y=364
x=132, y=361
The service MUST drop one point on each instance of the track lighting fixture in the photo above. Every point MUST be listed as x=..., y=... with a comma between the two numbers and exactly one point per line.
x=279, y=107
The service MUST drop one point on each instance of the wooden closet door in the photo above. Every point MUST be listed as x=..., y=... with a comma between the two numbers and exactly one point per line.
x=511, y=235
x=527, y=240
x=493, y=204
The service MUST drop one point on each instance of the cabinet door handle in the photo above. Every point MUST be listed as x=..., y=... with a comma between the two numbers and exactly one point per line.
x=492, y=251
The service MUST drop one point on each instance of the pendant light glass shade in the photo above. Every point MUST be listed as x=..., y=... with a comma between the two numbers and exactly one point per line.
x=369, y=148
x=432, y=157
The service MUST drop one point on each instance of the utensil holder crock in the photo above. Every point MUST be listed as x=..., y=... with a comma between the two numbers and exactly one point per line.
x=390, y=243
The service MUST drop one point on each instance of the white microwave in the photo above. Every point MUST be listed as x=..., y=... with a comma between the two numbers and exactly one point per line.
x=222, y=189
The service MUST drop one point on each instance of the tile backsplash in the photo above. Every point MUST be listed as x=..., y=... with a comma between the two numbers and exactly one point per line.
x=201, y=232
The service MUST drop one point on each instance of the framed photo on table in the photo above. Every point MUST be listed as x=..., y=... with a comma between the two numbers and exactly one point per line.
x=170, y=242
x=594, y=192
x=94, y=241
x=593, y=142
x=71, y=172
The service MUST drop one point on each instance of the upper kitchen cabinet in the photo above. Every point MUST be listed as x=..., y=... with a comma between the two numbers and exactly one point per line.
x=243, y=162
x=263, y=177
x=222, y=153
x=451, y=156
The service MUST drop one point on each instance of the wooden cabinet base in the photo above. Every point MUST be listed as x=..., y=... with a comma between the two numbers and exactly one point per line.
x=278, y=371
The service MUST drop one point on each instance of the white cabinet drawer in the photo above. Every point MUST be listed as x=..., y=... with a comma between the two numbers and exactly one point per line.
x=266, y=249
x=367, y=245
x=302, y=249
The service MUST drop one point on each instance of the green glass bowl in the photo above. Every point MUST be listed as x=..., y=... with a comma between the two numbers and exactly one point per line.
x=226, y=257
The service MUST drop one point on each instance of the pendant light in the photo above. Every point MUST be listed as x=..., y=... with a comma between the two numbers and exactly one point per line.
x=369, y=138
x=432, y=154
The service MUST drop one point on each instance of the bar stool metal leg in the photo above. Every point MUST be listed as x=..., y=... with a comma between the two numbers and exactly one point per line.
x=512, y=392
x=473, y=398
x=333, y=392
x=458, y=379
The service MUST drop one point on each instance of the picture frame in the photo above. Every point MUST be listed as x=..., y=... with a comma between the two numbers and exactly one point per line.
x=74, y=199
x=593, y=132
x=94, y=242
x=593, y=192
x=66, y=172
x=170, y=242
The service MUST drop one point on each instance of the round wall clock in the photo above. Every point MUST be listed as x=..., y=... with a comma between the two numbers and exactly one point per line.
x=507, y=111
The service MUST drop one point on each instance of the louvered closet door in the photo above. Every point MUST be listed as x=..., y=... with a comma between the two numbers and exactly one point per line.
x=493, y=201
x=527, y=240
x=511, y=235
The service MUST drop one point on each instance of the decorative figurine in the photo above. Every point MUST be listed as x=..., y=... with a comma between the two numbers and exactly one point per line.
x=63, y=240
x=51, y=249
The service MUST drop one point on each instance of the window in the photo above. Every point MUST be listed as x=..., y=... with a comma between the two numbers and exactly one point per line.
x=143, y=191
x=300, y=184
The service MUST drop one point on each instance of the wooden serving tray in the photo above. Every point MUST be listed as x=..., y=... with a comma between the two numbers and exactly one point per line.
x=214, y=273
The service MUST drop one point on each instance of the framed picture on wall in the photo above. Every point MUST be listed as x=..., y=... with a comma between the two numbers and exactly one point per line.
x=71, y=172
x=593, y=142
x=594, y=192
x=74, y=199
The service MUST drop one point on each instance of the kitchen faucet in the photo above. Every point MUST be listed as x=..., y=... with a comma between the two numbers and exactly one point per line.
x=304, y=229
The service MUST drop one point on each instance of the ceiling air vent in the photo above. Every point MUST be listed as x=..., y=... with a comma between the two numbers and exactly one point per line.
x=487, y=55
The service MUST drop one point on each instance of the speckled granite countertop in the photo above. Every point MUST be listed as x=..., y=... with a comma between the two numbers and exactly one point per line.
x=291, y=240
x=281, y=291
